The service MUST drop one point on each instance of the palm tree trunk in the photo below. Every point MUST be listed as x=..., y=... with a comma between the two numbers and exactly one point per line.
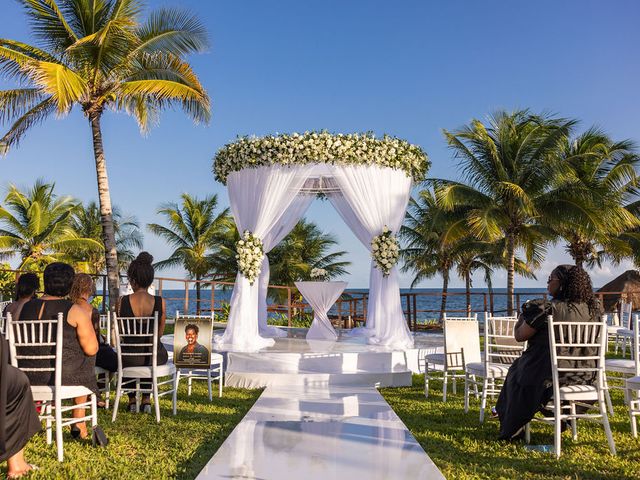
x=445, y=288
x=511, y=255
x=467, y=285
x=197, y=294
x=106, y=213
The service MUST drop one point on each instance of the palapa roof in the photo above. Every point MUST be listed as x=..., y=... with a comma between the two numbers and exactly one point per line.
x=627, y=286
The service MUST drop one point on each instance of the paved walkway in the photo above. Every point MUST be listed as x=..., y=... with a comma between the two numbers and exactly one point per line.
x=309, y=433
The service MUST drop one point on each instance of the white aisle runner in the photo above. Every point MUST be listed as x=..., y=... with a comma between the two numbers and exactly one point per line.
x=321, y=433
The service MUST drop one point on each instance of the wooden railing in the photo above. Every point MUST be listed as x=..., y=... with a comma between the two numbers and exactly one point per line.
x=349, y=311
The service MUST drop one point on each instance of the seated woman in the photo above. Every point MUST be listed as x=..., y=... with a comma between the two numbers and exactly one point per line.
x=528, y=388
x=141, y=304
x=82, y=289
x=26, y=288
x=18, y=418
x=79, y=339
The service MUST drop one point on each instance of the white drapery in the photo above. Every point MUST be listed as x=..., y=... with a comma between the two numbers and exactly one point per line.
x=276, y=234
x=258, y=197
x=371, y=197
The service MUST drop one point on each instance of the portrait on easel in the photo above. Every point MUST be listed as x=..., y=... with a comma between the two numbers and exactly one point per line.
x=192, y=342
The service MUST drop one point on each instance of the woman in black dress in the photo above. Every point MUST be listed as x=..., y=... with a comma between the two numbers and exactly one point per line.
x=528, y=387
x=141, y=304
x=18, y=417
x=79, y=345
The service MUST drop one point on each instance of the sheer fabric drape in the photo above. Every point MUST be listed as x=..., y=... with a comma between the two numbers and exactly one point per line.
x=258, y=197
x=276, y=234
x=371, y=197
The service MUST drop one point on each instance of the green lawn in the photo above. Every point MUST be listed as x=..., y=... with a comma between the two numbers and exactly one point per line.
x=464, y=449
x=141, y=449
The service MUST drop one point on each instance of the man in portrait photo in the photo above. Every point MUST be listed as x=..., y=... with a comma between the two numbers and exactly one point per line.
x=193, y=352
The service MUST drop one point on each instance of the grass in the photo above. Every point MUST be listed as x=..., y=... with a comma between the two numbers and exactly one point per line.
x=140, y=448
x=464, y=449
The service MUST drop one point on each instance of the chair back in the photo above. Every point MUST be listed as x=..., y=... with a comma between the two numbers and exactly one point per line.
x=576, y=347
x=635, y=348
x=136, y=337
x=461, y=340
x=500, y=345
x=3, y=320
x=625, y=314
x=44, y=340
x=105, y=324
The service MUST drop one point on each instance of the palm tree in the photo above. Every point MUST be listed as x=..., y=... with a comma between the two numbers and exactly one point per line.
x=98, y=55
x=433, y=236
x=306, y=247
x=510, y=166
x=86, y=223
x=602, y=175
x=195, y=230
x=36, y=225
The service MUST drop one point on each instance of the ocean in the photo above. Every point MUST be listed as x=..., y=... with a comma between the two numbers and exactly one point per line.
x=427, y=301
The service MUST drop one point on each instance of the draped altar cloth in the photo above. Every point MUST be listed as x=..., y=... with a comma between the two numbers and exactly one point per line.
x=269, y=200
x=321, y=296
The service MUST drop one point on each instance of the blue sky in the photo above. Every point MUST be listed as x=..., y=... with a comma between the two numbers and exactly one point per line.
x=407, y=68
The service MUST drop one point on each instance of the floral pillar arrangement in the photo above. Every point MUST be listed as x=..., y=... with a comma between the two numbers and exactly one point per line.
x=385, y=251
x=249, y=256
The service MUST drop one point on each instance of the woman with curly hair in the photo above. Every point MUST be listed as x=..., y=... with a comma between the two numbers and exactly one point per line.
x=528, y=387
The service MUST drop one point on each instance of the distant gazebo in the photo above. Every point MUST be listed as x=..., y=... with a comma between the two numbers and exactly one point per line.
x=626, y=288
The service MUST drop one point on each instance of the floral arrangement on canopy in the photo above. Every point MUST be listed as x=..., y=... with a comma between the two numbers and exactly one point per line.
x=385, y=251
x=319, y=274
x=320, y=147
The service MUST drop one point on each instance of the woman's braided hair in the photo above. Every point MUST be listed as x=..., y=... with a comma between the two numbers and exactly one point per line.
x=577, y=288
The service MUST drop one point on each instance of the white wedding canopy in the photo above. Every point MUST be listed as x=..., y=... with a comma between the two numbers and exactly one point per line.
x=269, y=200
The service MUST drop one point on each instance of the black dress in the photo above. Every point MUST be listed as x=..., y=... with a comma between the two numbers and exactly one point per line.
x=528, y=386
x=143, y=360
x=106, y=357
x=18, y=417
x=77, y=368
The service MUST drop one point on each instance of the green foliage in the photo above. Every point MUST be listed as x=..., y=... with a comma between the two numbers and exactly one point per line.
x=87, y=223
x=36, y=225
x=300, y=319
x=464, y=449
x=223, y=315
x=140, y=448
x=7, y=282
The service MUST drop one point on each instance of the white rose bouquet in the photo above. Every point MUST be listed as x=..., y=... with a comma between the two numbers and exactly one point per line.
x=249, y=256
x=385, y=250
x=319, y=274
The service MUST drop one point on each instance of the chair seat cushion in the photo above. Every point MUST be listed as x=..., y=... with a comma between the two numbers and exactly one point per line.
x=437, y=358
x=633, y=383
x=578, y=392
x=493, y=370
x=624, y=332
x=613, y=329
x=46, y=392
x=100, y=371
x=145, y=372
x=620, y=365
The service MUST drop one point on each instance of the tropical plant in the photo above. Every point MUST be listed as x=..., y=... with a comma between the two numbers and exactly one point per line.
x=510, y=166
x=432, y=237
x=98, y=55
x=194, y=229
x=86, y=223
x=7, y=282
x=36, y=226
x=306, y=247
x=601, y=177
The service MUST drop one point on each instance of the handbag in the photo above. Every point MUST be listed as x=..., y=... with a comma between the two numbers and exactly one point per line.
x=98, y=437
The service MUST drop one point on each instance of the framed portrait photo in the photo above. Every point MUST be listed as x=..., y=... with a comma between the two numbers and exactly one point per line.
x=192, y=342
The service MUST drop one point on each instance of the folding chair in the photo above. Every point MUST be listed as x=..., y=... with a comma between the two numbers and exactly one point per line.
x=500, y=351
x=461, y=346
x=132, y=335
x=572, y=337
x=632, y=391
x=104, y=376
x=43, y=336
